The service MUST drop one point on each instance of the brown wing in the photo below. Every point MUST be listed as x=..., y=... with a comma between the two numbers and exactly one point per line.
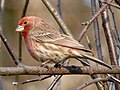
x=47, y=34
x=58, y=39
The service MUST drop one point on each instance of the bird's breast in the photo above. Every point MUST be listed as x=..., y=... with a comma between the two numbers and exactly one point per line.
x=47, y=51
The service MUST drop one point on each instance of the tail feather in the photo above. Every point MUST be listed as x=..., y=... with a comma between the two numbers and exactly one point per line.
x=96, y=60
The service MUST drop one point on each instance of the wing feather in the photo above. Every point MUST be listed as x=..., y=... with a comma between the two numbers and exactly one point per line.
x=58, y=39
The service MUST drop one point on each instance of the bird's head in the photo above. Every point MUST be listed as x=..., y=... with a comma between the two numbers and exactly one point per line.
x=25, y=24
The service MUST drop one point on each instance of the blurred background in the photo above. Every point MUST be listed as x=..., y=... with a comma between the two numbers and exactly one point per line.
x=74, y=13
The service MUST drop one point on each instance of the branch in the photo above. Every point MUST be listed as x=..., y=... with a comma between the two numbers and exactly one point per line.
x=14, y=57
x=57, y=17
x=67, y=70
x=100, y=85
x=57, y=78
x=110, y=41
x=20, y=36
x=6, y=43
x=88, y=23
x=114, y=5
x=109, y=37
x=33, y=80
x=25, y=8
x=93, y=81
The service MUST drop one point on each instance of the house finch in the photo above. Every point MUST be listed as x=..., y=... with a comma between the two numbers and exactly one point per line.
x=46, y=44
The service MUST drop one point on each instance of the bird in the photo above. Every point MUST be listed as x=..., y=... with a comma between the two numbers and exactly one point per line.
x=47, y=45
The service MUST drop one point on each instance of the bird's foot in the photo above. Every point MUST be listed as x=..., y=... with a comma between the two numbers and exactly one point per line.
x=57, y=65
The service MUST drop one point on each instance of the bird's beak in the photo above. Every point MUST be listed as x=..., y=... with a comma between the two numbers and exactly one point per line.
x=19, y=28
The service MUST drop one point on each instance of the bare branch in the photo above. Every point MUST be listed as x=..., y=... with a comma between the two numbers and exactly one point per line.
x=67, y=70
x=88, y=23
x=33, y=80
x=25, y=8
x=114, y=5
x=109, y=38
x=57, y=17
x=112, y=77
x=6, y=43
x=54, y=82
x=92, y=82
x=20, y=36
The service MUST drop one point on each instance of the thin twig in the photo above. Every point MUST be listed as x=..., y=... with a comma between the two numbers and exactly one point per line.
x=92, y=82
x=115, y=25
x=57, y=78
x=88, y=23
x=114, y=5
x=84, y=62
x=112, y=77
x=93, y=76
x=11, y=52
x=101, y=85
x=88, y=41
x=115, y=33
x=96, y=31
x=1, y=20
x=20, y=36
x=109, y=38
x=59, y=8
x=60, y=12
x=25, y=8
x=1, y=16
x=33, y=80
x=110, y=42
x=57, y=17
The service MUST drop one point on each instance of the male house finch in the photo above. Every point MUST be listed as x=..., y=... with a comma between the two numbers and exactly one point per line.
x=46, y=44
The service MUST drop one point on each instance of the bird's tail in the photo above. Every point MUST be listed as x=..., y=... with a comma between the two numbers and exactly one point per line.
x=96, y=60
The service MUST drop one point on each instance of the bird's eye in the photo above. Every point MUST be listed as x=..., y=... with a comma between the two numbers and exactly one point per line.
x=25, y=23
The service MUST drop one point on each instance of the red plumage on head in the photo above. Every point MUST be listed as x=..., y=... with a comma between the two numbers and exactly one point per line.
x=25, y=19
x=26, y=22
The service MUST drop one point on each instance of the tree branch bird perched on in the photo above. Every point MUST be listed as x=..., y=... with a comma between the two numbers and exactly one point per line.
x=46, y=44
